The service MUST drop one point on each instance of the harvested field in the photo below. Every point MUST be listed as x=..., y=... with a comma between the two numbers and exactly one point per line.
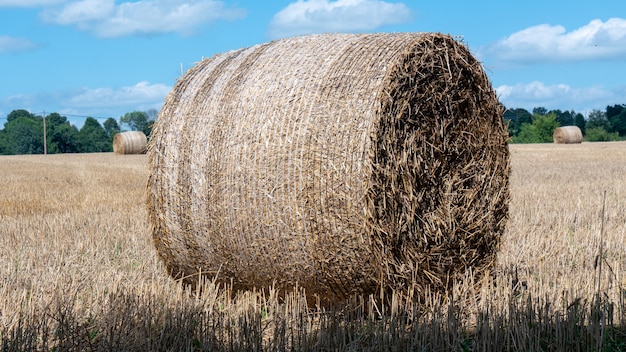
x=80, y=272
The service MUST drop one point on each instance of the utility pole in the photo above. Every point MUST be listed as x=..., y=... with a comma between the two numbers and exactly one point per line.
x=45, y=144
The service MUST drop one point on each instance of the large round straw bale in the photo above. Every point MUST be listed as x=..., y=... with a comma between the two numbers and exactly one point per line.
x=131, y=142
x=341, y=163
x=567, y=135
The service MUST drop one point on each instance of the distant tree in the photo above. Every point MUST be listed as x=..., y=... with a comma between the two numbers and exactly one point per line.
x=539, y=131
x=599, y=134
x=597, y=118
x=62, y=136
x=616, y=116
x=93, y=138
x=152, y=114
x=111, y=127
x=579, y=120
x=18, y=113
x=565, y=118
x=540, y=111
x=614, y=110
x=24, y=135
x=64, y=139
x=4, y=147
x=516, y=118
x=138, y=121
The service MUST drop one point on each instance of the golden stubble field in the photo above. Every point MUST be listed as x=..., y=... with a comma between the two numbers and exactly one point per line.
x=79, y=272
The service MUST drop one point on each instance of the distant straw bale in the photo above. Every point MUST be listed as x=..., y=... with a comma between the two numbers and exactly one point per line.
x=131, y=142
x=341, y=163
x=567, y=135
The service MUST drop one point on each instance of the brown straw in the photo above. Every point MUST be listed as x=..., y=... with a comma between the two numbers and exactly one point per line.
x=567, y=135
x=131, y=142
x=341, y=163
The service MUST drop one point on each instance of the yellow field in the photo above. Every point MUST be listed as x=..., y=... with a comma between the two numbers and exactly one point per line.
x=79, y=272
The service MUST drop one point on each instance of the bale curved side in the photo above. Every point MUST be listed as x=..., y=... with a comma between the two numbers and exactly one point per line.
x=567, y=135
x=341, y=163
x=131, y=142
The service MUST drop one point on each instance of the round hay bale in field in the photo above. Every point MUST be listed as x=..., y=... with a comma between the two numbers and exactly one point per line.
x=567, y=135
x=340, y=163
x=131, y=142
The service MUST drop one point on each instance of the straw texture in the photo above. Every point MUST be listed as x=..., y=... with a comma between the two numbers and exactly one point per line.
x=131, y=142
x=567, y=135
x=341, y=163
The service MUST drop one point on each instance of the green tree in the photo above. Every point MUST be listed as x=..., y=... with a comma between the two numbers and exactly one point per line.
x=93, y=138
x=540, y=111
x=614, y=110
x=597, y=118
x=62, y=137
x=539, y=131
x=138, y=121
x=599, y=134
x=18, y=113
x=616, y=116
x=24, y=135
x=564, y=118
x=516, y=118
x=579, y=120
x=111, y=127
x=4, y=148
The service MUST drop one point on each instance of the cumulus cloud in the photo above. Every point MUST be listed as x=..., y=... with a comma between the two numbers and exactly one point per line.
x=597, y=40
x=105, y=18
x=140, y=95
x=11, y=44
x=559, y=96
x=95, y=102
x=81, y=12
x=319, y=16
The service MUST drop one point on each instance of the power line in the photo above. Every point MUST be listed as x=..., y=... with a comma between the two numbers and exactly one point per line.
x=67, y=115
x=93, y=117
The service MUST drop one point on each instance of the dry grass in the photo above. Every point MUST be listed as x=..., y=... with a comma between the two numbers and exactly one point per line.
x=79, y=271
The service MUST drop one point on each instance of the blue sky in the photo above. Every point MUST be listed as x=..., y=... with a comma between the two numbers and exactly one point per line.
x=103, y=58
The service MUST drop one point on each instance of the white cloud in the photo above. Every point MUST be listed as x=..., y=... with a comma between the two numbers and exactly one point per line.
x=96, y=102
x=545, y=43
x=142, y=94
x=80, y=12
x=319, y=16
x=11, y=44
x=105, y=18
x=559, y=96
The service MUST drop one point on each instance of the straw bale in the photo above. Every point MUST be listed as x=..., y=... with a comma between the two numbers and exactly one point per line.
x=341, y=163
x=567, y=135
x=131, y=142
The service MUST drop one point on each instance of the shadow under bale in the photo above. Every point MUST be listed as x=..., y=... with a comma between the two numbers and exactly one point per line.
x=339, y=163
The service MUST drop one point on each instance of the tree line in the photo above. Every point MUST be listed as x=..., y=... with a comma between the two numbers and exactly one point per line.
x=538, y=126
x=23, y=132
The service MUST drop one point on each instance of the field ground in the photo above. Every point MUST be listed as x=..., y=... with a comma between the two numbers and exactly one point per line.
x=79, y=272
